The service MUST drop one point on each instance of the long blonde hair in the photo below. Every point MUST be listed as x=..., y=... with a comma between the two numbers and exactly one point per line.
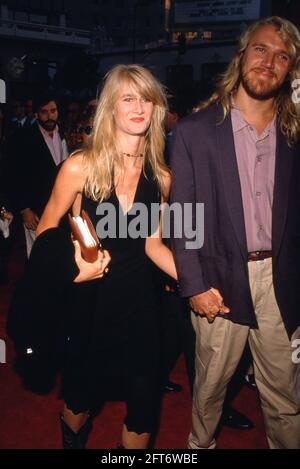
x=103, y=154
x=285, y=108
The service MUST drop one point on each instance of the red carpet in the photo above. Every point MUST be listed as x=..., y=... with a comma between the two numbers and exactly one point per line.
x=28, y=420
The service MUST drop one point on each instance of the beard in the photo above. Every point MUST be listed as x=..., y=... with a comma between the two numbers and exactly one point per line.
x=260, y=88
x=48, y=125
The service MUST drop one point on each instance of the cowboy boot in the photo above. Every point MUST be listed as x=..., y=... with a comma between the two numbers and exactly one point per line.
x=72, y=440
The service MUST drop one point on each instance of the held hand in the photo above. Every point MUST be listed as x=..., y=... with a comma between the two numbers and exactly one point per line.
x=30, y=219
x=90, y=270
x=209, y=303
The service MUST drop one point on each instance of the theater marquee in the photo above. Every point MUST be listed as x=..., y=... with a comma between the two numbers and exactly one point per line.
x=187, y=15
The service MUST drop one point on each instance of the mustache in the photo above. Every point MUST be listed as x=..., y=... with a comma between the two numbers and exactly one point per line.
x=264, y=70
x=50, y=121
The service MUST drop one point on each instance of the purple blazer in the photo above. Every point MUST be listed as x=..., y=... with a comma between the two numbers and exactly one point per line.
x=204, y=168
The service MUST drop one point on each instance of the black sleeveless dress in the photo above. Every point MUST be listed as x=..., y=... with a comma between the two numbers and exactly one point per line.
x=114, y=329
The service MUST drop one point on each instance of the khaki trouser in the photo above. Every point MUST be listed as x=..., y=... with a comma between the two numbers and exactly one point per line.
x=219, y=347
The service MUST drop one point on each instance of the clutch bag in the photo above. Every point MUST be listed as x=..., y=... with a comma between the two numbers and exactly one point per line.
x=84, y=232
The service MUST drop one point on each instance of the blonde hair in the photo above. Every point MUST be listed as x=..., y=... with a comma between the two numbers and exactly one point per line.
x=285, y=108
x=103, y=153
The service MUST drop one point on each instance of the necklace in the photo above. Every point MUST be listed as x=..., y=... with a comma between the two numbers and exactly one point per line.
x=139, y=155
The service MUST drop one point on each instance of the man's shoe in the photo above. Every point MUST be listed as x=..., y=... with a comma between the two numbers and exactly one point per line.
x=249, y=381
x=234, y=419
x=169, y=386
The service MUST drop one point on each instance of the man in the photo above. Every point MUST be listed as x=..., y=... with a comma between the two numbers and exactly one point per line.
x=28, y=106
x=35, y=156
x=177, y=330
x=239, y=155
x=17, y=120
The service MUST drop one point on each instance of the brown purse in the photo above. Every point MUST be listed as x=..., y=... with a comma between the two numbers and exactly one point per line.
x=84, y=232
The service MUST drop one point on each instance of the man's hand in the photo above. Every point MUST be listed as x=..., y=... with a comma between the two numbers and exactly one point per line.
x=209, y=303
x=30, y=219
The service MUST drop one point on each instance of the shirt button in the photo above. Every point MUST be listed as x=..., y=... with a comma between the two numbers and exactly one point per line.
x=260, y=227
x=259, y=159
x=258, y=194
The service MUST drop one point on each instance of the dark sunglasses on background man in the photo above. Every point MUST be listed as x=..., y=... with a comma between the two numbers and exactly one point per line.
x=87, y=130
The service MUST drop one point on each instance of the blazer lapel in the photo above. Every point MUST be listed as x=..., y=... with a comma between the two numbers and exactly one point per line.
x=283, y=170
x=45, y=153
x=230, y=175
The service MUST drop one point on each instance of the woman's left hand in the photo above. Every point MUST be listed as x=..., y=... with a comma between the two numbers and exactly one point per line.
x=90, y=270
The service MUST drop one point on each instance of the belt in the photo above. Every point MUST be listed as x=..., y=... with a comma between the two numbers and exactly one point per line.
x=259, y=255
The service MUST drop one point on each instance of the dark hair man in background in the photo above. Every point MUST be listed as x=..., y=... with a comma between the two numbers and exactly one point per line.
x=34, y=158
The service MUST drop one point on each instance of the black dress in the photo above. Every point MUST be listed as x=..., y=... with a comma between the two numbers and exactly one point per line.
x=114, y=320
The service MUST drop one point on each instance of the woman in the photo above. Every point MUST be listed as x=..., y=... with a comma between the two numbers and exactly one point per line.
x=83, y=129
x=79, y=135
x=121, y=167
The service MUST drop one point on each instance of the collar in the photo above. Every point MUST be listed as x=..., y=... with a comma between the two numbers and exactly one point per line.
x=239, y=122
x=22, y=121
x=45, y=133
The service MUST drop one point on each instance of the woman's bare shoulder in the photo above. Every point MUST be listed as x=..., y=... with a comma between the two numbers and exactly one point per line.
x=71, y=173
x=74, y=164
